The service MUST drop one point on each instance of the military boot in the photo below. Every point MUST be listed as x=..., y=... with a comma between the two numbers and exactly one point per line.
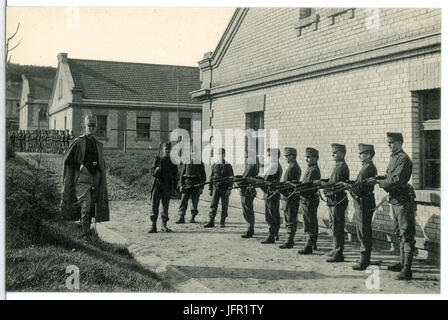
x=277, y=236
x=210, y=224
x=289, y=243
x=165, y=228
x=308, y=249
x=249, y=233
x=406, y=273
x=153, y=228
x=181, y=220
x=192, y=220
x=336, y=258
x=223, y=222
x=270, y=239
x=362, y=263
x=398, y=266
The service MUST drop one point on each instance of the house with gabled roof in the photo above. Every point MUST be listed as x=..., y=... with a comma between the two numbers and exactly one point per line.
x=317, y=76
x=136, y=104
x=13, y=94
x=34, y=99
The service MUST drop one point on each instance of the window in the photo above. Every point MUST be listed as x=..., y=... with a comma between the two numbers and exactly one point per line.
x=304, y=13
x=255, y=121
x=42, y=114
x=429, y=107
x=143, y=127
x=101, y=126
x=185, y=123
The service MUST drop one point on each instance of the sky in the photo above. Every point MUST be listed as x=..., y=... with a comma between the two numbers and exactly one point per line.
x=177, y=36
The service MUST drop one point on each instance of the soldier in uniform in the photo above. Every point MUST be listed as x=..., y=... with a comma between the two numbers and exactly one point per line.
x=67, y=140
x=272, y=198
x=84, y=189
x=309, y=202
x=248, y=194
x=290, y=200
x=165, y=176
x=401, y=198
x=220, y=190
x=364, y=204
x=12, y=139
x=337, y=203
x=191, y=173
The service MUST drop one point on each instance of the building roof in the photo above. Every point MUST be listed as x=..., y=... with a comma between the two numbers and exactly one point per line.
x=40, y=88
x=124, y=81
x=14, y=90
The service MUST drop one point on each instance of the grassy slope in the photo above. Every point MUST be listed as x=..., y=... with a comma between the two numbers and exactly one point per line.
x=38, y=262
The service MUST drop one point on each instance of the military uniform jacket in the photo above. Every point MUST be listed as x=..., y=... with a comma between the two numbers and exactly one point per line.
x=312, y=173
x=273, y=174
x=166, y=177
x=398, y=174
x=192, y=174
x=368, y=170
x=73, y=159
x=221, y=170
x=340, y=173
x=293, y=172
x=251, y=171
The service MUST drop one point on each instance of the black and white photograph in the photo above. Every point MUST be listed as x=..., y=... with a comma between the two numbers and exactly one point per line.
x=282, y=150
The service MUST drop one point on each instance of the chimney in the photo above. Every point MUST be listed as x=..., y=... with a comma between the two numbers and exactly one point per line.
x=62, y=57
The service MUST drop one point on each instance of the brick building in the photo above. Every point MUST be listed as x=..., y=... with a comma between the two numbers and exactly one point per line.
x=324, y=75
x=34, y=99
x=136, y=104
x=12, y=105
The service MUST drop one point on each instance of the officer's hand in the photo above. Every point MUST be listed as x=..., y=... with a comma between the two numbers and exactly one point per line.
x=182, y=189
x=156, y=171
x=228, y=192
x=200, y=190
x=211, y=193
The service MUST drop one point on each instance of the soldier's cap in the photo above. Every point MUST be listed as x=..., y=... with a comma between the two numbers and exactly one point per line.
x=338, y=147
x=273, y=150
x=290, y=151
x=366, y=147
x=396, y=136
x=311, y=152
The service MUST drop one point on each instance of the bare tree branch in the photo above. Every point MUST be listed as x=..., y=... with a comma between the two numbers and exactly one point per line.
x=9, y=50
x=18, y=26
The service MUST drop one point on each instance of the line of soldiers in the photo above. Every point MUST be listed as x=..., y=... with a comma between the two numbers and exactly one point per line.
x=47, y=141
x=301, y=196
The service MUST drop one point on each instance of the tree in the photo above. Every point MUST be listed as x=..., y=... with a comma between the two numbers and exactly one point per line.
x=7, y=47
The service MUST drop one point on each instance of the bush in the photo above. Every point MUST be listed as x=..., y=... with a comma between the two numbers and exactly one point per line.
x=31, y=196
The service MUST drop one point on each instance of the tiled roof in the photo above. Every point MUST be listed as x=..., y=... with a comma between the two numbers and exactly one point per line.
x=14, y=90
x=40, y=88
x=109, y=80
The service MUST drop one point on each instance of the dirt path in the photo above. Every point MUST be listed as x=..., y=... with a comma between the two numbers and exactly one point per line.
x=219, y=260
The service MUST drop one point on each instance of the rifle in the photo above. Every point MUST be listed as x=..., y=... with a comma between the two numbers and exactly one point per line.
x=350, y=185
x=212, y=180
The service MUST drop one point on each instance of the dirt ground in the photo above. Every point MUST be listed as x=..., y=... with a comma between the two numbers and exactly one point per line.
x=221, y=261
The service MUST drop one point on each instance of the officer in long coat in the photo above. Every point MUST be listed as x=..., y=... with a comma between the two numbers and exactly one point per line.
x=309, y=202
x=290, y=199
x=402, y=201
x=84, y=185
x=364, y=205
